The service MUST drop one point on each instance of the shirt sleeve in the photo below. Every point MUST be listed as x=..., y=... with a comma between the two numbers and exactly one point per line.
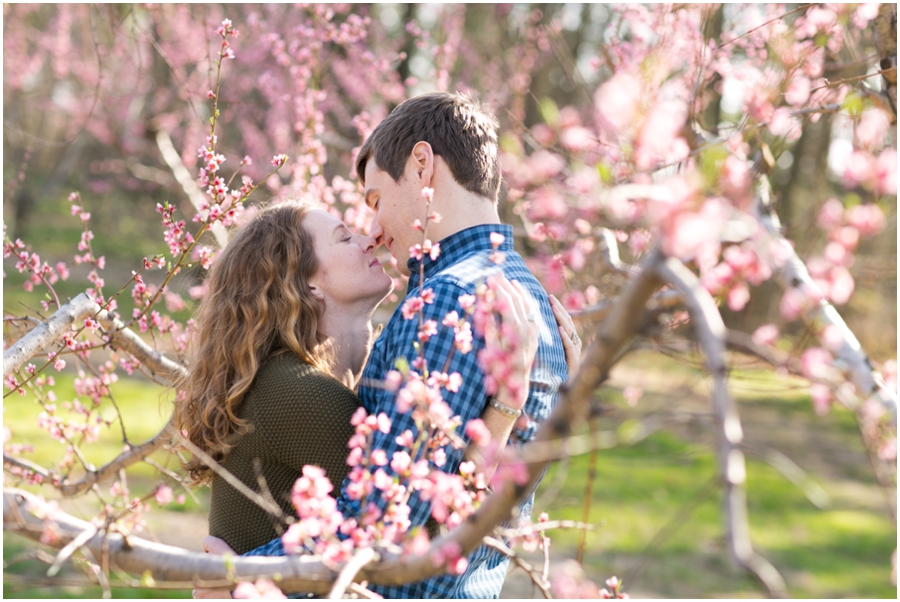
x=468, y=402
x=305, y=416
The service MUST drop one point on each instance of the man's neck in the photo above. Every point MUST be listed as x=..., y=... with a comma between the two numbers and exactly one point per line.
x=459, y=209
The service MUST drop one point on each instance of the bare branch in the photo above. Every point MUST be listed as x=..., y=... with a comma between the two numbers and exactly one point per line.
x=850, y=356
x=131, y=456
x=732, y=470
x=25, y=348
x=360, y=559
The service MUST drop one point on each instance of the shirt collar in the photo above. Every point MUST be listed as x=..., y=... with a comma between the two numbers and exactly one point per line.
x=457, y=246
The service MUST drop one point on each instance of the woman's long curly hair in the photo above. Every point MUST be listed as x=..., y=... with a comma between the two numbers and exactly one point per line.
x=258, y=304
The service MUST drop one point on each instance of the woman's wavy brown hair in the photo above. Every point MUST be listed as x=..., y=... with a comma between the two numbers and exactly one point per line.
x=258, y=304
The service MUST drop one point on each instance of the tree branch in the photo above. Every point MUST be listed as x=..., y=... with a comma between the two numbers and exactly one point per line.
x=732, y=470
x=850, y=356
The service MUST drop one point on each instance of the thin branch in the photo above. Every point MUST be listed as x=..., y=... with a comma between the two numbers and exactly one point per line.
x=854, y=79
x=271, y=507
x=536, y=577
x=360, y=559
x=787, y=14
x=732, y=469
x=131, y=456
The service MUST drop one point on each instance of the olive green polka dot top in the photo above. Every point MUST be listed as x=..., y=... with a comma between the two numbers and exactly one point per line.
x=296, y=415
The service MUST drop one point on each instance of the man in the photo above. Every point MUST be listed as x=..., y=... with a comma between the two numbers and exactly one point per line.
x=446, y=142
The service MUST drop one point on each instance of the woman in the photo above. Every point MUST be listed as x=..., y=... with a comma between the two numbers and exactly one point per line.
x=287, y=312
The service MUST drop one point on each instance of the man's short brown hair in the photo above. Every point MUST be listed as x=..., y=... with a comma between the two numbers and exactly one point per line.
x=462, y=131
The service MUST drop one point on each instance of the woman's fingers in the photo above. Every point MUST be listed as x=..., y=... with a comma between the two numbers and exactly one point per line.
x=562, y=316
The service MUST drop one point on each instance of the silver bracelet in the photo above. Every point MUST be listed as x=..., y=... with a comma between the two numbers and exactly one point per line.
x=505, y=409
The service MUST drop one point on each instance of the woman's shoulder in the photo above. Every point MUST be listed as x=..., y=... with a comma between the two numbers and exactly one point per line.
x=289, y=376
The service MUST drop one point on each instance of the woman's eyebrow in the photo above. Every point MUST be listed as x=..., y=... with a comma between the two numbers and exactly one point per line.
x=339, y=227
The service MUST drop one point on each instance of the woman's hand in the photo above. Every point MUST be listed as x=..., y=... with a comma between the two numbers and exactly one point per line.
x=214, y=545
x=571, y=340
x=522, y=315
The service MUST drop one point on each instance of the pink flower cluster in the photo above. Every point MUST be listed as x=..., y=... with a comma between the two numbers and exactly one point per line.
x=570, y=582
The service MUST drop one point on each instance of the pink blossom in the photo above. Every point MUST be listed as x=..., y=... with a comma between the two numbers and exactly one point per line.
x=871, y=129
x=820, y=395
x=618, y=99
x=463, y=338
x=886, y=172
x=163, y=495
x=428, y=194
x=738, y=296
x=261, y=589
x=401, y=461
x=466, y=301
x=497, y=239
x=858, y=168
x=765, y=334
x=478, y=432
x=411, y=307
x=405, y=439
x=793, y=303
x=59, y=364
x=842, y=285
x=848, y=236
x=867, y=218
x=379, y=457
x=632, y=395
x=384, y=423
x=815, y=362
x=798, y=91
x=279, y=160
x=781, y=122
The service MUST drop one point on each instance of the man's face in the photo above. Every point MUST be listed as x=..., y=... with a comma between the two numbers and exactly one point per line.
x=396, y=205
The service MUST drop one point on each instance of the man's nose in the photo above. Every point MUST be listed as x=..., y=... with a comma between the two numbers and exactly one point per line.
x=376, y=234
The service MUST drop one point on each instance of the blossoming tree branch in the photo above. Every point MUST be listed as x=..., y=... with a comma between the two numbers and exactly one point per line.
x=645, y=164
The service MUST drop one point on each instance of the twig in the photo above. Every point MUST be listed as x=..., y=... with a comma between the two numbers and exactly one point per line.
x=270, y=507
x=854, y=79
x=360, y=559
x=787, y=14
x=538, y=579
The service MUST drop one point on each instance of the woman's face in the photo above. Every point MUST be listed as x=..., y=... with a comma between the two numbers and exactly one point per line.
x=348, y=272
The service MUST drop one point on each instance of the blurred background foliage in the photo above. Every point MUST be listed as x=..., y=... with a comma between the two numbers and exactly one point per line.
x=67, y=129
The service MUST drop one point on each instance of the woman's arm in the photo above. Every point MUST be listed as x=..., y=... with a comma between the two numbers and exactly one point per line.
x=501, y=420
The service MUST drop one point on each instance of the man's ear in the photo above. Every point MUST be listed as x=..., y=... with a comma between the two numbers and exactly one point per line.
x=422, y=158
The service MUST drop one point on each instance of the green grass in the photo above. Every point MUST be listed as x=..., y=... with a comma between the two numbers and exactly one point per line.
x=28, y=577
x=840, y=551
x=658, y=485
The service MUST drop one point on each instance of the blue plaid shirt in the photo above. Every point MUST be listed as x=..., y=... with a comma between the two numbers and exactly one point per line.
x=461, y=265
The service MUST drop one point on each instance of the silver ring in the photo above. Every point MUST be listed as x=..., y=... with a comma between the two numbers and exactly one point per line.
x=574, y=337
x=529, y=317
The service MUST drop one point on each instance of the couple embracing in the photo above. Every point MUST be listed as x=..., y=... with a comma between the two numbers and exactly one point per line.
x=284, y=352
